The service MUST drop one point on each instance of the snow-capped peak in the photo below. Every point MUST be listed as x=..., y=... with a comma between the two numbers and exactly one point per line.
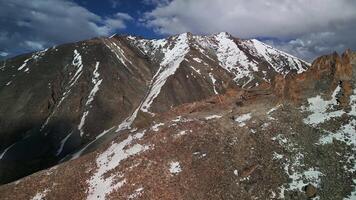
x=241, y=58
x=222, y=34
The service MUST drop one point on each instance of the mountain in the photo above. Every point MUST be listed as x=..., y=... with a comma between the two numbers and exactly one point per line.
x=58, y=101
x=186, y=117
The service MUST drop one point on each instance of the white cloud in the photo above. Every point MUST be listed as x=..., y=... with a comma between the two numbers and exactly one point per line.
x=123, y=16
x=312, y=45
x=299, y=20
x=35, y=24
x=3, y=54
x=252, y=18
x=118, y=21
x=34, y=45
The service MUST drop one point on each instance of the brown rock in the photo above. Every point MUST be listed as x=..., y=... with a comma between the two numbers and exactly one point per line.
x=249, y=170
x=279, y=85
x=346, y=92
x=343, y=67
x=310, y=190
x=325, y=74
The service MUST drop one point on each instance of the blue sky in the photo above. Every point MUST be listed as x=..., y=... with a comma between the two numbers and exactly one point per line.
x=135, y=8
x=303, y=28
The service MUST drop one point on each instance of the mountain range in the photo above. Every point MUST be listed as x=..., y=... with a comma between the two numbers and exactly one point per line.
x=185, y=117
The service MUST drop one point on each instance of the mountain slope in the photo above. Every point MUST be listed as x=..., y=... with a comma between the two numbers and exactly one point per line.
x=293, y=139
x=187, y=117
x=64, y=101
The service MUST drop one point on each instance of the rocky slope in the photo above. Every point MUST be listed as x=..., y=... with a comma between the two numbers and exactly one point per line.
x=63, y=102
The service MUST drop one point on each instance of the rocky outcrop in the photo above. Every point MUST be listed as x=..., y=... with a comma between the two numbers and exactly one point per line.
x=325, y=74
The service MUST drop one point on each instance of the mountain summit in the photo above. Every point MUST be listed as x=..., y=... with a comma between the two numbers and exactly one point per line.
x=185, y=117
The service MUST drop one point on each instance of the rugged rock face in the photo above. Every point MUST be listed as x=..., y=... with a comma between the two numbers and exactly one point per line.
x=188, y=117
x=325, y=74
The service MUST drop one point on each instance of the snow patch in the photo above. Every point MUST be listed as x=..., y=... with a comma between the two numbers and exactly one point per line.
x=79, y=153
x=181, y=133
x=346, y=134
x=24, y=64
x=156, y=127
x=299, y=179
x=40, y=195
x=174, y=167
x=178, y=119
x=196, y=70
x=82, y=122
x=353, y=104
x=169, y=64
x=213, y=80
x=34, y=56
x=213, y=117
x=295, y=168
x=126, y=124
x=96, y=81
x=242, y=119
x=199, y=154
x=7, y=149
x=102, y=183
x=198, y=60
x=271, y=55
x=118, y=52
x=271, y=111
x=233, y=59
x=320, y=109
x=138, y=192
x=63, y=142
x=77, y=62
x=352, y=196
x=277, y=156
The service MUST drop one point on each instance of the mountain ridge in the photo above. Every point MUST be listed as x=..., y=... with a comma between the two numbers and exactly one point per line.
x=68, y=79
x=78, y=98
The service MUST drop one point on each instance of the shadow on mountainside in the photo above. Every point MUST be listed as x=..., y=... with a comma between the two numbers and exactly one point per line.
x=38, y=150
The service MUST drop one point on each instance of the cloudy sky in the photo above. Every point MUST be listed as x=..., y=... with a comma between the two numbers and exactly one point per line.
x=305, y=28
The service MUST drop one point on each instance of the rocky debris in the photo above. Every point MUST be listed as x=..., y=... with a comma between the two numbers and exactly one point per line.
x=310, y=190
x=248, y=171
